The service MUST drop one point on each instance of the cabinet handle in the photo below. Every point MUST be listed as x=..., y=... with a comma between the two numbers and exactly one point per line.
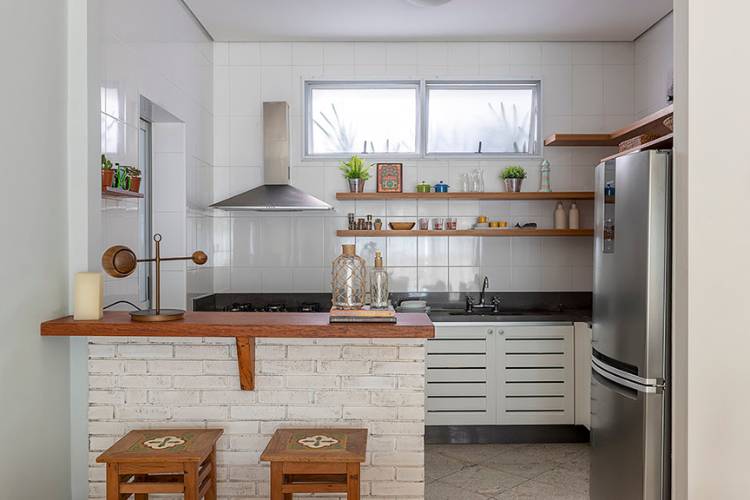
x=490, y=331
x=500, y=332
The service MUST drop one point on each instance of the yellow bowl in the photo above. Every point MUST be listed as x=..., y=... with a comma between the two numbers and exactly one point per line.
x=401, y=226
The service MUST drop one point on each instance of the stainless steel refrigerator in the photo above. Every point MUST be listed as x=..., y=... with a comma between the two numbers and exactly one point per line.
x=630, y=361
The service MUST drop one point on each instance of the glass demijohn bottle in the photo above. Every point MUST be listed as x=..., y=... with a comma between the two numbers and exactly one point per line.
x=379, y=284
x=349, y=279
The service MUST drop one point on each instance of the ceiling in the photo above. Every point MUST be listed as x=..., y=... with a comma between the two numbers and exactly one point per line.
x=406, y=20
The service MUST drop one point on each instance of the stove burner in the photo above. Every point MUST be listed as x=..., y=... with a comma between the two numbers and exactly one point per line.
x=238, y=307
x=309, y=307
x=274, y=308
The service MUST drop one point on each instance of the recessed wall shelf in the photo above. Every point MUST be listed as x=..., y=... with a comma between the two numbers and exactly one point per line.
x=562, y=195
x=112, y=192
x=660, y=143
x=470, y=232
x=651, y=124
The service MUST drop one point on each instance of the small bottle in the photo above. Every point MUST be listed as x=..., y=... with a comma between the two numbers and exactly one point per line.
x=573, y=216
x=379, y=284
x=560, y=217
x=544, y=184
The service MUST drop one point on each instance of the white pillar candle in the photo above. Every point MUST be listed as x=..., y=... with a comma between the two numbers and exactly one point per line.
x=89, y=296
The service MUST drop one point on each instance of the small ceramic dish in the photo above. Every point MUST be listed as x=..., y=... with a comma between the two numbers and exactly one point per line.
x=401, y=226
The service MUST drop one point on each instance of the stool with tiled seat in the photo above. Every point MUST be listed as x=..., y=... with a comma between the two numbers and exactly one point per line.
x=315, y=461
x=162, y=461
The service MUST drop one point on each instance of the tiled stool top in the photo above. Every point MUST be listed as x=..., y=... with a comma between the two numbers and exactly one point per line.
x=163, y=445
x=316, y=445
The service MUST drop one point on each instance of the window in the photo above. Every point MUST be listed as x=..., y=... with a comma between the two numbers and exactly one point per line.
x=432, y=118
x=347, y=118
x=483, y=117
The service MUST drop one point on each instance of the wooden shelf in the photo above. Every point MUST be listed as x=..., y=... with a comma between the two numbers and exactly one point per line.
x=563, y=195
x=651, y=124
x=112, y=192
x=469, y=232
x=661, y=142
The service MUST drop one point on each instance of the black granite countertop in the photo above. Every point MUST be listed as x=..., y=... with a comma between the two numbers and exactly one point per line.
x=528, y=316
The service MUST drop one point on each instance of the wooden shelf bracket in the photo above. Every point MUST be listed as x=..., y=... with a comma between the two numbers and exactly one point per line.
x=246, y=362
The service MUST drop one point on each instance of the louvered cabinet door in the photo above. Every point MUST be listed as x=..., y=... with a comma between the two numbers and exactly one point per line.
x=535, y=374
x=461, y=379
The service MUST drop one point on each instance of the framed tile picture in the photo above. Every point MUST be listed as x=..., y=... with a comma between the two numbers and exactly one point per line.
x=389, y=177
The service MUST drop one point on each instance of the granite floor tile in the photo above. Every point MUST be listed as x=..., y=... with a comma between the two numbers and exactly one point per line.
x=534, y=490
x=437, y=465
x=482, y=480
x=468, y=453
x=438, y=490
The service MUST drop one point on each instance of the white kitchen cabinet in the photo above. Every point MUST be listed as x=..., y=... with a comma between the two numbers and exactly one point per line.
x=583, y=374
x=501, y=374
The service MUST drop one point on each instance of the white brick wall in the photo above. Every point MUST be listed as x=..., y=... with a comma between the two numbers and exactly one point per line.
x=378, y=384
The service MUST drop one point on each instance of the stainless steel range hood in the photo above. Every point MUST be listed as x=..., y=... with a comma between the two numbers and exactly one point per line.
x=275, y=195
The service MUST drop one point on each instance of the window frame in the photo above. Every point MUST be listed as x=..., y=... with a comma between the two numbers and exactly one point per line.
x=422, y=88
x=417, y=85
x=536, y=87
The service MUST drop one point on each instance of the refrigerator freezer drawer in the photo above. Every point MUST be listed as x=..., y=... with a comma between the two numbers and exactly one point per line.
x=628, y=459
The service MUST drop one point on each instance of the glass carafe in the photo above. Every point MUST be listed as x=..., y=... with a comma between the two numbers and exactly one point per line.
x=349, y=279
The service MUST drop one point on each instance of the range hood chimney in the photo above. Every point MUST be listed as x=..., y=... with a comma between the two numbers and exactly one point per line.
x=275, y=195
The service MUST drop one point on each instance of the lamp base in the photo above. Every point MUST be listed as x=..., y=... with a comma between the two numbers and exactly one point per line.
x=152, y=315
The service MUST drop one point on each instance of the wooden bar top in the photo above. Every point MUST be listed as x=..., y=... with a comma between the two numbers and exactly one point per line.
x=240, y=324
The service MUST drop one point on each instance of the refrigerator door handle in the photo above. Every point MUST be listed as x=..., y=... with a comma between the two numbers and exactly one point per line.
x=611, y=377
x=623, y=374
x=614, y=387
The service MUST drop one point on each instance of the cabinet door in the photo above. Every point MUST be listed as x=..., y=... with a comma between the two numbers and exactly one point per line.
x=461, y=379
x=582, y=341
x=535, y=374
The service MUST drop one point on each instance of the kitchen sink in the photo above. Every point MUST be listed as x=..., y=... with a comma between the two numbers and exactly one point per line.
x=501, y=313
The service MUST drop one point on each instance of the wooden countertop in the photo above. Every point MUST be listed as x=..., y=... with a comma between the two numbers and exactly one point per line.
x=239, y=324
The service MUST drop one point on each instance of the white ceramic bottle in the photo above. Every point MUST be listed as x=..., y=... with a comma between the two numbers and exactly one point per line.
x=560, y=217
x=573, y=216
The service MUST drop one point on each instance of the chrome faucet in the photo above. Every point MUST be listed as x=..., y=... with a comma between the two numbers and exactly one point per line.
x=485, y=284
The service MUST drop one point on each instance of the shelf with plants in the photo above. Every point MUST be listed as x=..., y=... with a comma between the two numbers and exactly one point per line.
x=466, y=232
x=563, y=195
x=113, y=192
x=651, y=124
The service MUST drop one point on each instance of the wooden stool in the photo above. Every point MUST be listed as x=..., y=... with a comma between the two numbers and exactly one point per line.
x=315, y=461
x=162, y=461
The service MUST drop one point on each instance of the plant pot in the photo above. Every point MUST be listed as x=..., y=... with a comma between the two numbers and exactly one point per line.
x=107, y=176
x=135, y=184
x=513, y=185
x=356, y=185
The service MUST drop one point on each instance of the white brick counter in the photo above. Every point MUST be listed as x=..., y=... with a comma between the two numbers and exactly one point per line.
x=157, y=382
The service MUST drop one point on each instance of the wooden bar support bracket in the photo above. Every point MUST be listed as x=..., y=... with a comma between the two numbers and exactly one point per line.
x=246, y=362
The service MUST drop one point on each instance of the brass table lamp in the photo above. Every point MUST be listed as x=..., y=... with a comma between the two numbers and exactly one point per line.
x=119, y=262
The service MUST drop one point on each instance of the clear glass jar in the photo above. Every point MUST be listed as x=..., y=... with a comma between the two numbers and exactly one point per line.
x=349, y=279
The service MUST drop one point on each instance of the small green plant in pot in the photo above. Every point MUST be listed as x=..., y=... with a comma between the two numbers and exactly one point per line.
x=356, y=172
x=134, y=176
x=513, y=177
x=107, y=173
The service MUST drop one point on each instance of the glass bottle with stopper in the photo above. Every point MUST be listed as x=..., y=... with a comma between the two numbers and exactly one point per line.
x=379, y=284
x=544, y=184
x=119, y=262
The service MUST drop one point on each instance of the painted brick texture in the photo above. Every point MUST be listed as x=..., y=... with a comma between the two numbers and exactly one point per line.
x=377, y=384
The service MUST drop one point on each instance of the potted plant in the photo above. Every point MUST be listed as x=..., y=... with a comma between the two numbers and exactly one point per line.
x=513, y=177
x=356, y=172
x=107, y=173
x=134, y=175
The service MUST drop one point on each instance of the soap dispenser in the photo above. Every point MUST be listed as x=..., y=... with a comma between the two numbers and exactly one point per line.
x=379, y=284
x=560, y=217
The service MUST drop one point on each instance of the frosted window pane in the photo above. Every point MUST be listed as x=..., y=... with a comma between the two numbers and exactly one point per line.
x=343, y=120
x=500, y=118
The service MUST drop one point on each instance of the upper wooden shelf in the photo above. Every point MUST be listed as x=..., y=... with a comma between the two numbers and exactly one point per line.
x=651, y=124
x=468, y=232
x=562, y=195
x=111, y=192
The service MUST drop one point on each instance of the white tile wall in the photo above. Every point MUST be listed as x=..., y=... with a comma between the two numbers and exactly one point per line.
x=170, y=61
x=587, y=87
x=654, y=66
x=376, y=384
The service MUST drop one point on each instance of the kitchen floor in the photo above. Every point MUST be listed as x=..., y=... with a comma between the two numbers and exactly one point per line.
x=507, y=471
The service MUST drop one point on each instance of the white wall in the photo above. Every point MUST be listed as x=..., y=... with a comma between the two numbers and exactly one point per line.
x=654, y=63
x=34, y=383
x=157, y=50
x=587, y=87
x=712, y=342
